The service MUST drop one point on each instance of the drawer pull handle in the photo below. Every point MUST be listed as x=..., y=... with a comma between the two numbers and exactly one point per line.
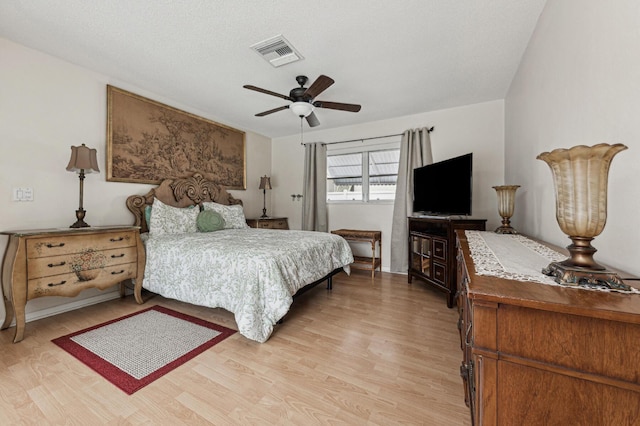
x=55, y=284
x=55, y=245
x=118, y=273
x=468, y=335
x=52, y=265
x=115, y=240
x=114, y=256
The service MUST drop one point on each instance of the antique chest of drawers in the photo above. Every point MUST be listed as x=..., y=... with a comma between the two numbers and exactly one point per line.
x=63, y=262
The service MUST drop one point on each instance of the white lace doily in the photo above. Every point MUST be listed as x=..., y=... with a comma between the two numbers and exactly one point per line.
x=516, y=257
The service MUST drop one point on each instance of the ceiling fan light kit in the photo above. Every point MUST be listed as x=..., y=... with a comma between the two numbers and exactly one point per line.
x=303, y=100
x=301, y=109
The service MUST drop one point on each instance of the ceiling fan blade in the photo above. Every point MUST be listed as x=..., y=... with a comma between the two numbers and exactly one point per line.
x=268, y=92
x=321, y=84
x=313, y=120
x=271, y=111
x=337, y=105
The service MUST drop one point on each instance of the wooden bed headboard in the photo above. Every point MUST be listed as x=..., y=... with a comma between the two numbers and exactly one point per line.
x=190, y=191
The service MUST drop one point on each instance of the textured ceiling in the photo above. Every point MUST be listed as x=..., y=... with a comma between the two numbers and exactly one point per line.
x=395, y=58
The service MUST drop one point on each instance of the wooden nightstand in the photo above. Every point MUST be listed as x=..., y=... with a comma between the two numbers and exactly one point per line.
x=63, y=262
x=269, y=223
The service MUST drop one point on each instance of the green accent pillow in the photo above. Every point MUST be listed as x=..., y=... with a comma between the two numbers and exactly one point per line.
x=147, y=214
x=209, y=221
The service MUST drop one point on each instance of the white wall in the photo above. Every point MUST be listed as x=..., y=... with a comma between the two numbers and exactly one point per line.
x=579, y=84
x=474, y=128
x=47, y=105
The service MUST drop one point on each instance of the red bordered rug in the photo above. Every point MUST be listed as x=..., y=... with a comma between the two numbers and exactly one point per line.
x=134, y=350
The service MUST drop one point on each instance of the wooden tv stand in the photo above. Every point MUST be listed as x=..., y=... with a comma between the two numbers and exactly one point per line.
x=537, y=354
x=432, y=250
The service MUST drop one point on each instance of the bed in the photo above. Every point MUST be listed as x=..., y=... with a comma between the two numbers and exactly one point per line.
x=253, y=273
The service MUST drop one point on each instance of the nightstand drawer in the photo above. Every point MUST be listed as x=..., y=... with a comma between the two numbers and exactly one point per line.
x=269, y=223
x=273, y=224
x=55, y=245
x=89, y=259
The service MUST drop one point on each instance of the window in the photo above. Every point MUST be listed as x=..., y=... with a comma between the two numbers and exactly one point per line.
x=344, y=177
x=363, y=174
x=383, y=174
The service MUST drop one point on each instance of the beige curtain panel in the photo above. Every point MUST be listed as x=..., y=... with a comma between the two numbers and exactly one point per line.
x=314, y=206
x=415, y=151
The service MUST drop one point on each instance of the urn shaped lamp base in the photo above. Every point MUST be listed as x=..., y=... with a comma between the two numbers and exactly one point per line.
x=584, y=277
x=505, y=228
x=80, y=223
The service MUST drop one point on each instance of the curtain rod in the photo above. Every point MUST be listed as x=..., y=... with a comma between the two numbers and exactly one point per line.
x=366, y=139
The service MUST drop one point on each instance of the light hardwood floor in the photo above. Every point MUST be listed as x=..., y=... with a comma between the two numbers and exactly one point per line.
x=370, y=352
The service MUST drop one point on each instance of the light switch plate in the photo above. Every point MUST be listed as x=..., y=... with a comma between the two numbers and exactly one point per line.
x=27, y=194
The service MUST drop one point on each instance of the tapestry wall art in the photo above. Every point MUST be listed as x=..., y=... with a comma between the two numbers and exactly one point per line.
x=148, y=141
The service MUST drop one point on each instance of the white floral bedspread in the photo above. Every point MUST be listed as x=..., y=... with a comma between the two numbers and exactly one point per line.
x=252, y=273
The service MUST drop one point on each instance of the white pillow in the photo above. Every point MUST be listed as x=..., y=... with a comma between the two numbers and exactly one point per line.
x=166, y=219
x=233, y=215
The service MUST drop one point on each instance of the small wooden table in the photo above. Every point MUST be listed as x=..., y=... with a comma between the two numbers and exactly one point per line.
x=359, y=235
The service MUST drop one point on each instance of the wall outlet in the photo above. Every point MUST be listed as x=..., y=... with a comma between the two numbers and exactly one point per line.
x=22, y=194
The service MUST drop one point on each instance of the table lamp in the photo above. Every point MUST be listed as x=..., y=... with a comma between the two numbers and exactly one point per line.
x=83, y=160
x=265, y=183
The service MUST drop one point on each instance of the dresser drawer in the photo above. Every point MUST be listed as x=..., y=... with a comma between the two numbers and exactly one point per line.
x=560, y=339
x=56, y=245
x=88, y=259
x=72, y=283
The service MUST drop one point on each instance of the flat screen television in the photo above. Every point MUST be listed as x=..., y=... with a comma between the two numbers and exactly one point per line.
x=444, y=188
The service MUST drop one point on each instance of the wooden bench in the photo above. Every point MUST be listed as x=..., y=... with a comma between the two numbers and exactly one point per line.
x=362, y=262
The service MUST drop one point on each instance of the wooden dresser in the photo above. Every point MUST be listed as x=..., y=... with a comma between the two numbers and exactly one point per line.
x=63, y=262
x=269, y=223
x=536, y=354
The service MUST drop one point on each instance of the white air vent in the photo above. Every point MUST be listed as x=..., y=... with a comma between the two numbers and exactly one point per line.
x=277, y=51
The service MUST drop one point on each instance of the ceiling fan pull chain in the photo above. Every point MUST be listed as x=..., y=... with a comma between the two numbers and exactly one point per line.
x=301, y=132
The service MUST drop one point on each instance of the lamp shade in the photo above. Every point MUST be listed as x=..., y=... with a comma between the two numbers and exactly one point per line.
x=83, y=158
x=301, y=109
x=265, y=182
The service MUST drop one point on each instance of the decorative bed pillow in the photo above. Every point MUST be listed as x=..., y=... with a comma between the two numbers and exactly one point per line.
x=172, y=220
x=233, y=215
x=209, y=221
x=147, y=214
